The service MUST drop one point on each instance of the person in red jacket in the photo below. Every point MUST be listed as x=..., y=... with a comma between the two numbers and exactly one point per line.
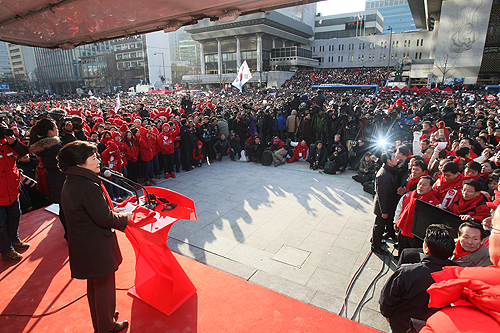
x=117, y=138
x=10, y=148
x=474, y=293
x=112, y=158
x=166, y=146
x=470, y=203
x=299, y=151
x=146, y=143
x=132, y=155
x=197, y=156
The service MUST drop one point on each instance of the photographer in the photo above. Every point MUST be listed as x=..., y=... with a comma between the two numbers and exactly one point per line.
x=10, y=148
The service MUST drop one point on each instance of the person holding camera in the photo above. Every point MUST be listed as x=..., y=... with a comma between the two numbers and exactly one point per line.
x=10, y=213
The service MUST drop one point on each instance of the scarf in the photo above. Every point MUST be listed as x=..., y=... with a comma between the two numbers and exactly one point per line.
x=442, y=186
x=108, y=198
x=465, y=206
x=412, y=182
x=459, y=251
x=405, y=220
x=471, y=177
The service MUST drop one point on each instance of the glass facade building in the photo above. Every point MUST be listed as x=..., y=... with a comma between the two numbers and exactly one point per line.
x=396, y=14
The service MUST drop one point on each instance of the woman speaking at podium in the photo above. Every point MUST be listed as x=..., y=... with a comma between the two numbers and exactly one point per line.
x=94, y=254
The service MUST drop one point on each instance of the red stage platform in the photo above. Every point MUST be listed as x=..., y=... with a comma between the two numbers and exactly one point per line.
x=41, y=283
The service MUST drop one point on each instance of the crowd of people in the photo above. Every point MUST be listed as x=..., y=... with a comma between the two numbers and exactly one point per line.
x=437, y=148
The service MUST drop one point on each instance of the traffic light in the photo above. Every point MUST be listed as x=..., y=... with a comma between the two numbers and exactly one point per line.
x=430, y=23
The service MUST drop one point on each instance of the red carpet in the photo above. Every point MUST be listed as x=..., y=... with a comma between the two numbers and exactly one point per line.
x=41, y=283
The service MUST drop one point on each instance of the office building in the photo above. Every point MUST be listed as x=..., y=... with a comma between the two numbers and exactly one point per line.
x=396, y=14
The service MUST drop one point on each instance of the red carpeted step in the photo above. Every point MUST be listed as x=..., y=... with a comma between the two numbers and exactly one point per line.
x=41, y=282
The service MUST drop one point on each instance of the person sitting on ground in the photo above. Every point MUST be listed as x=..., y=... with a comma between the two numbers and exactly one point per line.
x=339, y=156
x=255, y=149
x=299, y=151
x=317, y=156
x=470, y=250
x=197, y=154
x=234, y=140
x=404, y=295
x=223, y=148
x=367, y=169
x=279, y=149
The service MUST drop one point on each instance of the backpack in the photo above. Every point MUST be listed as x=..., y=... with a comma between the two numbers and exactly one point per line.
x=267, y=157
x=330, y=167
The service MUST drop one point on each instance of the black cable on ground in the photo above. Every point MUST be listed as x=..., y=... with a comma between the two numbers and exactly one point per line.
x=372, y=284
x=50, y=312
x=351, y=284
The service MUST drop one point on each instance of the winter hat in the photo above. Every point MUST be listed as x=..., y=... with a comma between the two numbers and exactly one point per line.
x=123, y=128
x=165, y=125
x=114, y=134
x=111, y=146
x=143, y=131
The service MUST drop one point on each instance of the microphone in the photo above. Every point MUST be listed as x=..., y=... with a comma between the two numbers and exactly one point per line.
x=108, y=173
x=150, y=198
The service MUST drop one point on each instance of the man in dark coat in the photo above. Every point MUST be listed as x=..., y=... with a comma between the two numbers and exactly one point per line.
x=386, y=200
x=404, y=295
x=306, y=128
x=449, y=115
x=186, y=145
x=267, y=125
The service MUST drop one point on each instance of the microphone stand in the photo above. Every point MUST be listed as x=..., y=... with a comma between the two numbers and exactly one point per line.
x=149, y=198
x=123, y=188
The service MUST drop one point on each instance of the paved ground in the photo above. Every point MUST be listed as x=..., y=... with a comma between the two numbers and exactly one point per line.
x=290, y=229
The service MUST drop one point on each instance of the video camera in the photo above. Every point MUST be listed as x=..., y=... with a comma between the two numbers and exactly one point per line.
x=5, y=131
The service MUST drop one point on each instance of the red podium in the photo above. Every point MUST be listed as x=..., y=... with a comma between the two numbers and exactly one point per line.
x=159, y=279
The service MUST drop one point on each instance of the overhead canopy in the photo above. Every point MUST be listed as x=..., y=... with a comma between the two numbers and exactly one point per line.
x=70, y=23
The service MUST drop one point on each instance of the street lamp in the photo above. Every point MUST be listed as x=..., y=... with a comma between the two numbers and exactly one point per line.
x=163, y=62
x=389, y=55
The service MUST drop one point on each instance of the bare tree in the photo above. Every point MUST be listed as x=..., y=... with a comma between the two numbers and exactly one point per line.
x=445, y=66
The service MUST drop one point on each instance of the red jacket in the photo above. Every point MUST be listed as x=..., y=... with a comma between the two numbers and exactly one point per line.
x=197, y=151
x=9, y=182
x=477, y=207
x=112, y=157
x=475, y=294
x=166, y=142
x=146, y=145
x=132, y=151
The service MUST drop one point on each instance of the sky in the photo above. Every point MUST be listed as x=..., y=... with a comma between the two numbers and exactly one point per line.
x=332, y=7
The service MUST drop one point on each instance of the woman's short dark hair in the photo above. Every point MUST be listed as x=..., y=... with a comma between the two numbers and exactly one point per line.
x=439, y=241
x=75, y=153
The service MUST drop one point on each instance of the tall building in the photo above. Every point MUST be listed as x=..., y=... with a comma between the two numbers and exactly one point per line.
x=6, y=78
x=98, y=67
x=23, y=64
x=131, y=62
x=189, y=51
x=254, y=38
x=58, y=71
x=396, y=14
x=355, y=24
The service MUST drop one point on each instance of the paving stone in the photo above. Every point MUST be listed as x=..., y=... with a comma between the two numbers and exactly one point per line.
x=291, y=256
x=283, y=286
